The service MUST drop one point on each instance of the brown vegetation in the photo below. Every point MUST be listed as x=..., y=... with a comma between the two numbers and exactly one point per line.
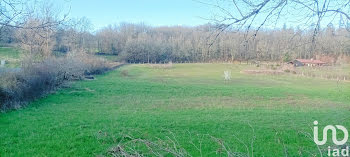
x=162, y=66
x=144, y=44
x=269, y=72
x=39, y=78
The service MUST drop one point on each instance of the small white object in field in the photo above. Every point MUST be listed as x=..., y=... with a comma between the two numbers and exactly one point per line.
x=227, y=75
x=2, y=63
x=170, y=64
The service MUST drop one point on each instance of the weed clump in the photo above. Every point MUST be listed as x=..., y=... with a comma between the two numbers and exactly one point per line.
x=287, y=70
x=124, y=73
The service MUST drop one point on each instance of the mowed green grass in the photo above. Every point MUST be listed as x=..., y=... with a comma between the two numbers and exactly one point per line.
x=260, y=114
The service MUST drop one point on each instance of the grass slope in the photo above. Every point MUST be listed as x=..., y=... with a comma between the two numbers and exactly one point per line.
x=188, y=101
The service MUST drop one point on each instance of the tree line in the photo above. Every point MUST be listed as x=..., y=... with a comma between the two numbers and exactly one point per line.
x=139, y=43
x=45, y=31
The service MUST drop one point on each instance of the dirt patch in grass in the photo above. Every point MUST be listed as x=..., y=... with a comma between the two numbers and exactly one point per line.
x=82, y=90
x=268, y=72
x=161, y=66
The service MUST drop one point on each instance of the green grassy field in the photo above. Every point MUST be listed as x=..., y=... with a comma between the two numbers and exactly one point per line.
x=11, y=56
x=265, y=115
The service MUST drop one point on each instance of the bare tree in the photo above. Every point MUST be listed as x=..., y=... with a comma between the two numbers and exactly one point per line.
x=255, y=14
x=249, y=15
x=15, y=13
x=37, y=28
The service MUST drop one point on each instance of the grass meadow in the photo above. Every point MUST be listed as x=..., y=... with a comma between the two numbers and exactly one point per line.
x=11, y=56
x=187, y=104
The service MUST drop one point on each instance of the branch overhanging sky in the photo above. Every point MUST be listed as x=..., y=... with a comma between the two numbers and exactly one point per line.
x=102, y=13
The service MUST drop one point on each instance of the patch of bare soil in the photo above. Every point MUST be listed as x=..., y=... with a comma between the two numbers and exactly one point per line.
x=81, y=90
x=114, y=65
x=269, y=72
x=161, y=66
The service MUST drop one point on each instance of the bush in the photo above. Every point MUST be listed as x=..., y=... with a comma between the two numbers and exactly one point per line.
x=36, y=79
x=287, y=70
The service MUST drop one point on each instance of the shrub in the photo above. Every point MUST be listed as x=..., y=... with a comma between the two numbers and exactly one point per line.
x=92, y=64
x=287, y=70
x=36, y=79
x=124, y=73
